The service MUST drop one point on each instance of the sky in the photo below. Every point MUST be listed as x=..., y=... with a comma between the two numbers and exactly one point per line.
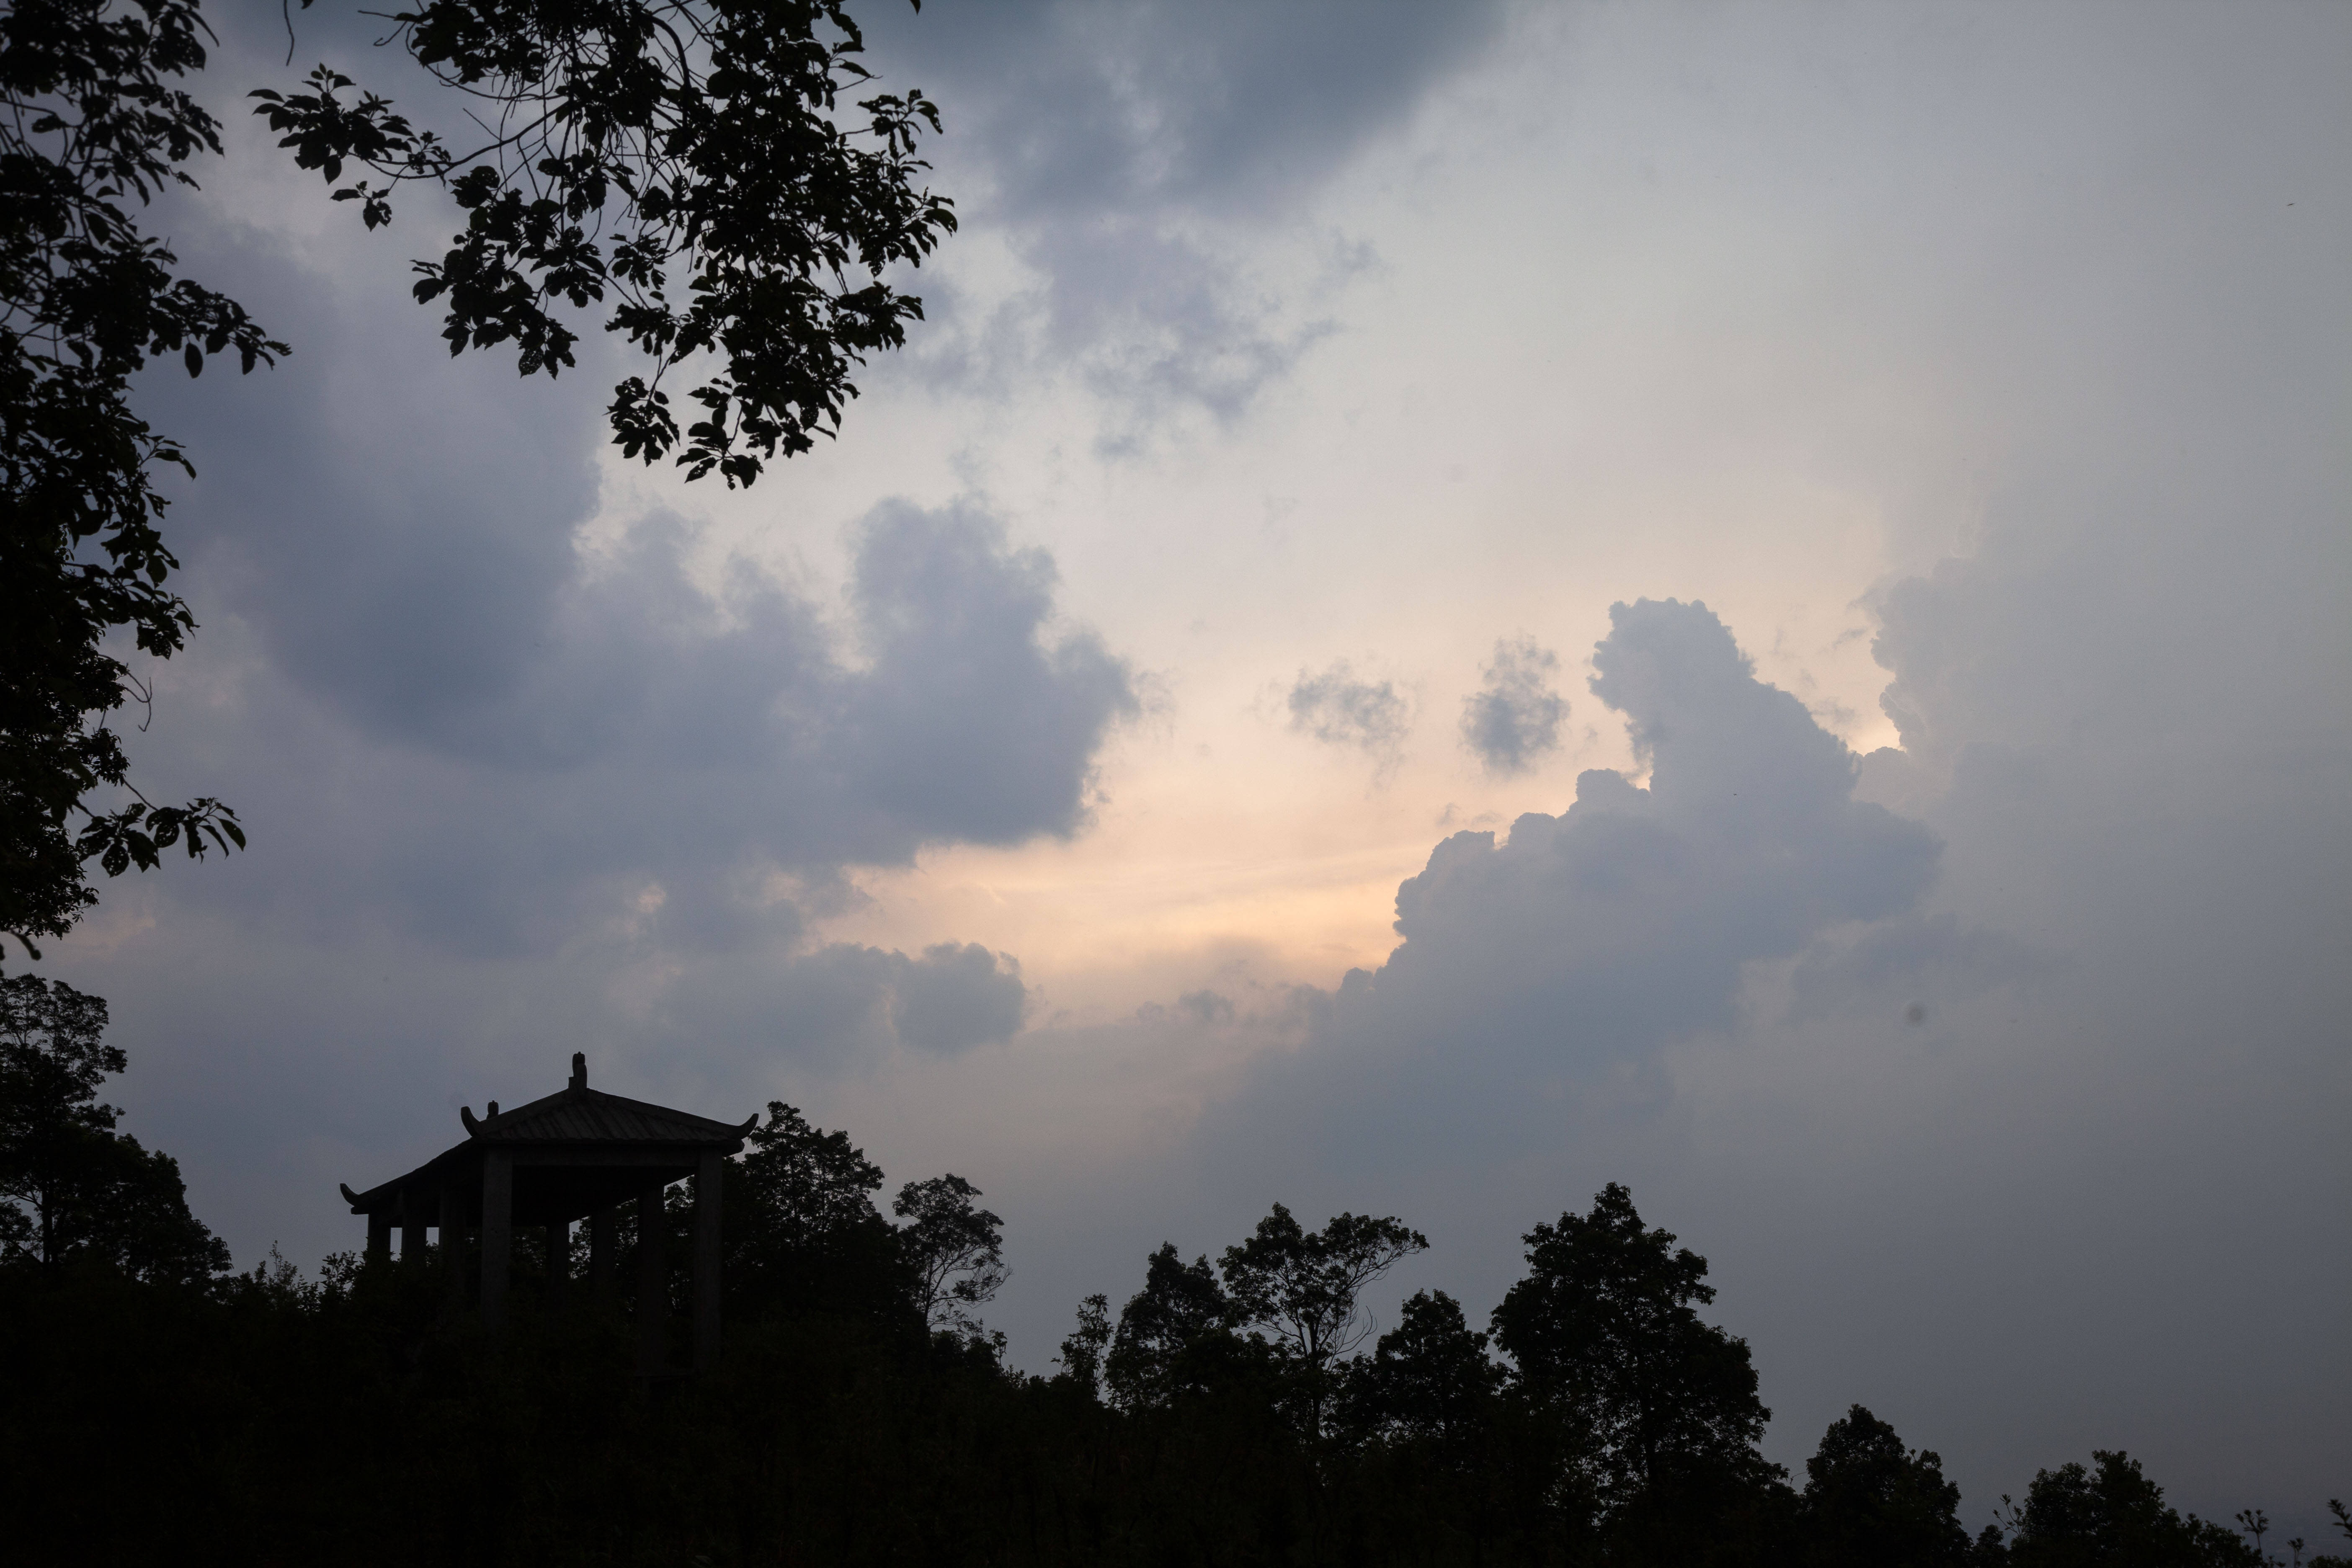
x=1452, y=604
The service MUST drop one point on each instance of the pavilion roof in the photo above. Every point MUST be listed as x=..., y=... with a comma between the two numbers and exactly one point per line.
x=573, y=1120
x=578, y=1114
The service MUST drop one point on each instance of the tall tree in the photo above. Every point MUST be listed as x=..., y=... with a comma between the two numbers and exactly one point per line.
x=1604, y=1329
x=72, y=1188
x=91, y=127
x=1181, y=1307
x=1871, y=1503
x=688, y=165
x=800, y=1228
x=1428, y=1379
x=1084, y=1347
x=1306, y=1289
x=955, y=1249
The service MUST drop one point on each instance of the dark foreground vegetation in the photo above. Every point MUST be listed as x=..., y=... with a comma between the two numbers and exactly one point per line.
x=160, y=1409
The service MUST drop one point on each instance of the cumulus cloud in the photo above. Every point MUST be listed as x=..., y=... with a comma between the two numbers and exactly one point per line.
x=1623, y=922
x=1340, y=710
x=2045, y=1079
x=1580, y=946
x=1512, y=722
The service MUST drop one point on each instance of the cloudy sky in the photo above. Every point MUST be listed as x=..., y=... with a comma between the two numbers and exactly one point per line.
x=1455, y=603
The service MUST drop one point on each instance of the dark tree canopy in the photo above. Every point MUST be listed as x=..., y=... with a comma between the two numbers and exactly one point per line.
x=1180, y=1308
x=801, y=1236
x=357, y=1420
x=1084, y=1347
x=1604, y=1329
x=1285, y=1311
x=1430, y=1378
x=73, y=1190
x=2110, y=1514
x=686, y=165
x=800, y=1229
x=91, y=128
x=1871, y=1503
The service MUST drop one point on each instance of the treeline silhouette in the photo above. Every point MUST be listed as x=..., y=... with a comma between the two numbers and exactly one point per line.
x=1239, y=1411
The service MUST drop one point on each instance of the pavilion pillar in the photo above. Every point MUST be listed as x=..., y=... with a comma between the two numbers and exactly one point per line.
x=412, y=1230
x=559, y=1259
x=498, y=1234
x=379, y=1242
x=453, y=1242
x=600, y=1253
x=653, y=1280
x=707, y=1186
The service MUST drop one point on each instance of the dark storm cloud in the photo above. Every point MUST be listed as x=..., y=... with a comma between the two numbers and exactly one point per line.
x=2053, y=1101
x=954, y=997
x=1206, y=1008
x=1512, y=722
x=479, y=731
x=1087, y=108
x=1115, y=146
x=1341, y=711
x=2130, y=725
x=843, y=1001
x=974, y=718
x=656, y=736
x=398, y=527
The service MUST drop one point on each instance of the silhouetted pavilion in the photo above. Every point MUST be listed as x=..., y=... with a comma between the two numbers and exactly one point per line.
x=572, y=1155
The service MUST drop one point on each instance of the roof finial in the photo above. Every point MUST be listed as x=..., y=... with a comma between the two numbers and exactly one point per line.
x=580, y=1069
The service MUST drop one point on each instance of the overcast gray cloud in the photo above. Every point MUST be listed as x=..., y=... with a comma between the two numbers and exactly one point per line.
x=1512, y=722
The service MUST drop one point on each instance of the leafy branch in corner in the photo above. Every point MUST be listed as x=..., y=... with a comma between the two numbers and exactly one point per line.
x=89, y=125
x=685, y=162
